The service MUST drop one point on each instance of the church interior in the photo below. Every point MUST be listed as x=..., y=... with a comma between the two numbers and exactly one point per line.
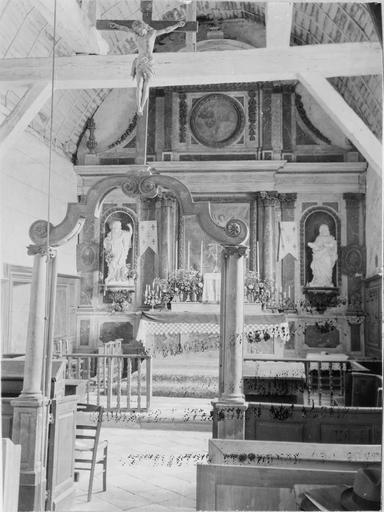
x=191, y=255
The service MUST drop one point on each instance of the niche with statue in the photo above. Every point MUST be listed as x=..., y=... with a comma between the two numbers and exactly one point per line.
x=320, y=244
x=118, y=251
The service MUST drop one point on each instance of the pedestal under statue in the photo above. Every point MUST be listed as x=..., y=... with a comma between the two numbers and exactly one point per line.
x=117, y=245
x=324, y=257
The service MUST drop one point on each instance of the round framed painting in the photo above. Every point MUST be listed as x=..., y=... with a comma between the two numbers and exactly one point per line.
x=217, y=120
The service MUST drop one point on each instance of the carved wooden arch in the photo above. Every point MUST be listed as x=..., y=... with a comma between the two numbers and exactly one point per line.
x=145, y=182
x=303, y=220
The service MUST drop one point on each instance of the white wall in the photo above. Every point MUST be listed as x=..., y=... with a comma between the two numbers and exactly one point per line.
x=373, y=223
x=24, y=199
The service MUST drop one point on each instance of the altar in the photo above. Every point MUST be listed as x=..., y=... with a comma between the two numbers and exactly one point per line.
x=170, y=333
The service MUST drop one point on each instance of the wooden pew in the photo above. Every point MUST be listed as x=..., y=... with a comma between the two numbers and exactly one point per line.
x=300, y=423
x=255, y=475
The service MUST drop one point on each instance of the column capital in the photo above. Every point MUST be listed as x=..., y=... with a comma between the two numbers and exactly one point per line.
x=352, y=199
x=288, y=198
x=269, y=198
x=234, y=250
x=42, y=250
x=167, y=198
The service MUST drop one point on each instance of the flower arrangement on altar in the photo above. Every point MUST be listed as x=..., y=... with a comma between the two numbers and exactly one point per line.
x=121, y=299
x=185, y=285
x=256, y=290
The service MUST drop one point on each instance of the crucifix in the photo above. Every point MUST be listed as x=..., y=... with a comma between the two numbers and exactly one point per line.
x=144, y=34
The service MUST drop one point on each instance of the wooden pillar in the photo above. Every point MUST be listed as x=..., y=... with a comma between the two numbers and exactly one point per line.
x=166, y=206
x=355, y=246
x=288, y=263
x=30, y=408
x=230, y=407
x=34, y=352
x=180, y=239
x=268, y=249
x=252, y=234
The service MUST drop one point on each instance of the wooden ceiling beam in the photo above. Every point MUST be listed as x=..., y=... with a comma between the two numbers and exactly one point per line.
x=278, y=22
x=23, y=113
x=200, y=68
x=348, y=121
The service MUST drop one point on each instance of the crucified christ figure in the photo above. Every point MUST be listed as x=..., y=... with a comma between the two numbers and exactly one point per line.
x=142, y=67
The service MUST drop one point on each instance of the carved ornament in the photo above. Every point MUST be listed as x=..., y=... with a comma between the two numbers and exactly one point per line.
x=230, y=250
x=352, y=260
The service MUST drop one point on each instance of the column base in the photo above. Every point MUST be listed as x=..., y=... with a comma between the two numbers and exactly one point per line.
x=29, y=423
x=229, y=419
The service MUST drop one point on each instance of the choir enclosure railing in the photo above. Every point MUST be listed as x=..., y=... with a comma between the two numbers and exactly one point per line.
x=118, y=382
x=322, y=382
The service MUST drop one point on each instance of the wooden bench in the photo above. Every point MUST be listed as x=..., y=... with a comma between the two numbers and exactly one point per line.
x=303, y=423
x=254, y=475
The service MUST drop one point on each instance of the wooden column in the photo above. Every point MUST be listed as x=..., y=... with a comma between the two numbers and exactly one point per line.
x=268, y=247
x=166, y=206
x=252, y=234
x=355, y=243
x=30, y=408
x=180, y=239
x=355, y=249
x=288, y=263
x=34, y=352
x=230, y=408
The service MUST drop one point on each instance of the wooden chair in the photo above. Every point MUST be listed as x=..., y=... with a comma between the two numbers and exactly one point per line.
x=88, y=450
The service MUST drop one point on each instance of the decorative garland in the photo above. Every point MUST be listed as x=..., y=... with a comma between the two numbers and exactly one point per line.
x=126, y=134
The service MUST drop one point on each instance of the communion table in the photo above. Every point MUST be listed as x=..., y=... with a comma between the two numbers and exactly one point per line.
x=171, y=333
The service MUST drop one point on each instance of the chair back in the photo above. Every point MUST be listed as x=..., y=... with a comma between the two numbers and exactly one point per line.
x=88, y=423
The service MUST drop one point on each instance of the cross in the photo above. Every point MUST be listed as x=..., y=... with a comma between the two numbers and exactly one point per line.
x=146, y=7
x=143, y=88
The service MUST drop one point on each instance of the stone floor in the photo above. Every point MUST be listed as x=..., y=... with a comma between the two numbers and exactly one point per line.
x=149, y=470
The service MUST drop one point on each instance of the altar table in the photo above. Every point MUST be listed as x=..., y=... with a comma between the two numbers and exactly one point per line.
x=205, y=325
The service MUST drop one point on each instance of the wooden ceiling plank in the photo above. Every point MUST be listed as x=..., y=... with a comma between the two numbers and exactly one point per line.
x=74, y=25
x=278, y=21
x=259, y=64
x=343, y=115
x=23, y=113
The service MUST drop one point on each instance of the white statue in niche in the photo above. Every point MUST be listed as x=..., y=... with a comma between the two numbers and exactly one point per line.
x=324, y=257
x=116, y=245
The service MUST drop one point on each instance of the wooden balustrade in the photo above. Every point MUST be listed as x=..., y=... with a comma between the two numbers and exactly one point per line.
x=322, y=382
x=114, y=380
